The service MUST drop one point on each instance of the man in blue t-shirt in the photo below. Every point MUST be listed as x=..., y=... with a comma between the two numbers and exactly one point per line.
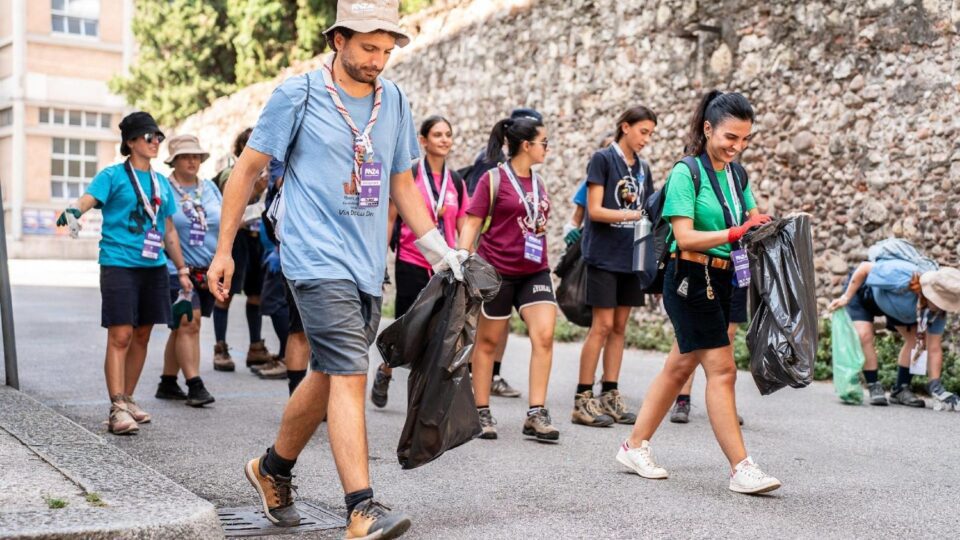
x=347, y=138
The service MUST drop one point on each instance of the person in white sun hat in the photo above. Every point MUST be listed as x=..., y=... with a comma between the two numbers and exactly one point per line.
x=914, y=303
x=348, y=140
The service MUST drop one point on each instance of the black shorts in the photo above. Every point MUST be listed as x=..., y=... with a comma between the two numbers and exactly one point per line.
x=520, y=292
x=738, y=305
x=411, y=279
x=273, y=296
x=698, y=322
x=201, y=299
x=247, y=261
x=296, y=323
x=606, y=289
x=134, y=296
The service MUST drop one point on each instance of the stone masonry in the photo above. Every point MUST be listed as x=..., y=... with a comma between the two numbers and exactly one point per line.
x=856, y=102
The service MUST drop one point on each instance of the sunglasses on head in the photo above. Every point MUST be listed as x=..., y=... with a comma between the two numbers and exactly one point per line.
x=153, y=137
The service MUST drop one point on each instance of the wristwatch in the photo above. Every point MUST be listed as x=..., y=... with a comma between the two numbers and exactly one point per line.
x=184, y=271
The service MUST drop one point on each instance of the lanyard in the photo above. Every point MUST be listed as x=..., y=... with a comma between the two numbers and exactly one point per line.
x=736, y=213
x=641, y=188
x=362, y=143
x=534, y=184
x=151, y=207
x=436, y=199
x=196, y=200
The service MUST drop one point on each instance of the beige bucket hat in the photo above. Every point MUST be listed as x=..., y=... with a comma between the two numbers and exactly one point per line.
x=185, y=144
x=365, y=16
x=942, y=287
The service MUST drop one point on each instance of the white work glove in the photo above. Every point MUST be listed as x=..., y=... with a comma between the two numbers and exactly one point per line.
x=70, y=218
x=440, y=255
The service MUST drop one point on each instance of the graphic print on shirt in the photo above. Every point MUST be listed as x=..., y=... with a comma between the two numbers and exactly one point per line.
x=627, y=193
x=137, y=220
x=525, y=223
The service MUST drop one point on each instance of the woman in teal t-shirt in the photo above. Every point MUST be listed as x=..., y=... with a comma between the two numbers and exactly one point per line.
x=137, y=206
x=706, y=227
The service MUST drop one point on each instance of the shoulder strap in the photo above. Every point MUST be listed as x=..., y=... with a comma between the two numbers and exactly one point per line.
x=494, y=189
x=691, y=163
x=296, y=134
x=458, y=183
x=740, y=174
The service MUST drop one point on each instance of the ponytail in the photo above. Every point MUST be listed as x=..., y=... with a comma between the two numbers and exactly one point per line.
x=715, y=107
x=696, y=143
x=512, y=132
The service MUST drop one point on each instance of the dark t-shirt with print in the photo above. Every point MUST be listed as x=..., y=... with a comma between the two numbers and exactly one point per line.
x=609, y=246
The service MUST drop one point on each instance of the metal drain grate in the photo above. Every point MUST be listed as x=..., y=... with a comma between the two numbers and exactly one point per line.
x=250, y=521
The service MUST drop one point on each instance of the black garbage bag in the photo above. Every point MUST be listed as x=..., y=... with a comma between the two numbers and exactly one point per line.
x=572, y=291
x=782, y=338
x=433, y=339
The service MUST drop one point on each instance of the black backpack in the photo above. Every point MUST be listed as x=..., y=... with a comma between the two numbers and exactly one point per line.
x=398, y=223
x=661, y=228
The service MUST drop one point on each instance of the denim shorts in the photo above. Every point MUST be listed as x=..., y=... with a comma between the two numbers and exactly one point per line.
x=340, y=321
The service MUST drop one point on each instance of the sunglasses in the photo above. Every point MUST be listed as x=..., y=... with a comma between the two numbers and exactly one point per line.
x=544, y=142
x=150, y=138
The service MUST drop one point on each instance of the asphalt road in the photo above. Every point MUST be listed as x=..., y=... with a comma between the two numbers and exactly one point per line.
x=847, y=471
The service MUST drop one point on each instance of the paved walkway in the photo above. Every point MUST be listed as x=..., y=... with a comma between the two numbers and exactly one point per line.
x=847, y=471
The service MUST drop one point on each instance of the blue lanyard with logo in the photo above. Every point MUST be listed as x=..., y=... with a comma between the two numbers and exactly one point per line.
x=732, y=217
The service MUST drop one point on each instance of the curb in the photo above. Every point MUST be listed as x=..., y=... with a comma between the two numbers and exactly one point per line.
x=140, y=502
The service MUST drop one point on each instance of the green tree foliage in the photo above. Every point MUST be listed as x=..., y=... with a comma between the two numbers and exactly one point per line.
x=191, y=53
x=185, y=59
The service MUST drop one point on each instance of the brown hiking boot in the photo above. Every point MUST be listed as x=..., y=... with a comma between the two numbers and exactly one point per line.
x=258, y=354
x=540, y=425
x=276, y=494
x=274, y=369
x=588, y=411
x=222, y=361
x=141, y=416
x=121, y=422
x=614, y=406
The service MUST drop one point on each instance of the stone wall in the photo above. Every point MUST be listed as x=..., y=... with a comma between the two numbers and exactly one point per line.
x=857, y=102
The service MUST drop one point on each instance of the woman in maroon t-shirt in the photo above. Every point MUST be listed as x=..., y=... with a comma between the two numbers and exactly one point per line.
x=515, y=244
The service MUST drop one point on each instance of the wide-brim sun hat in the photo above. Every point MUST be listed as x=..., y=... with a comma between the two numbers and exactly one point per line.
x=942, y=287
x=367, y=16
x=185, y=144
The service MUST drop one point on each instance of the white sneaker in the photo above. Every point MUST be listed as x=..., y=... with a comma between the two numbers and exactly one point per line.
x=748, y=478
x=640, y=460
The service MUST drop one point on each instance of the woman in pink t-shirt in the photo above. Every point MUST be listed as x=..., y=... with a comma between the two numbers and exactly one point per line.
x=515, y=244
x=445, y=195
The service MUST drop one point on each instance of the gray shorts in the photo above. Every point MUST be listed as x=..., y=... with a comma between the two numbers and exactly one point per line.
x=340, y=322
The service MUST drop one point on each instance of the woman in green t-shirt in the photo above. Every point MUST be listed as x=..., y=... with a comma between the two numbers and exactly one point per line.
x=706, y=227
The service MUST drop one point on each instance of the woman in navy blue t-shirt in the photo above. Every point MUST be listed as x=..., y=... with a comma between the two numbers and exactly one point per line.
x=618, y=182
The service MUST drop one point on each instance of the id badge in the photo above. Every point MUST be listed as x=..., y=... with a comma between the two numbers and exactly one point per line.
x=370, y=181
x=152, y=243
x=920, y=366
x=533, y=248
x=741, y=267
x=197, y=234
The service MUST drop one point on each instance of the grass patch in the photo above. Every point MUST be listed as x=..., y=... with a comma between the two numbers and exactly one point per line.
x=388, y=310
x=54, y=503
x=94, y=499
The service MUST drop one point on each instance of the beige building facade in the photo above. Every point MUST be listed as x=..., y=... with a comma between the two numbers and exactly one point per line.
x=58, y=120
